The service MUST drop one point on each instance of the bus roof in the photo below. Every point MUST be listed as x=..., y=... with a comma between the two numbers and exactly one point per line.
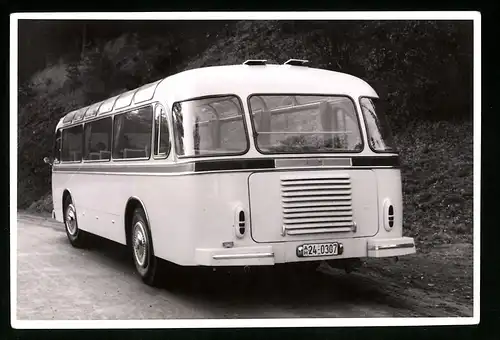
x=232, y=79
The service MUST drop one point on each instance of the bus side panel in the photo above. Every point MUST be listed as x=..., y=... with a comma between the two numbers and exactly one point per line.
x=194, y=212
x=218, y=198
x=95, y=197
x=57, y=194
x=170, y=203
x=390, y=190
x=104, y=203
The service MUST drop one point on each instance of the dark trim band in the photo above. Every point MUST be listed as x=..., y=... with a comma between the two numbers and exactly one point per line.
x=376, y=161
x=246, y=164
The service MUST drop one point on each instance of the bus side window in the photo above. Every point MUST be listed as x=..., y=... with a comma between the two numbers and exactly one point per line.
x=57, y=147
x=162, y=133
x=97, y=136
x=132, y=133
x=72, y=142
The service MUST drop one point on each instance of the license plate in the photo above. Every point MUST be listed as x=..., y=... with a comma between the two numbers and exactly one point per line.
x=319, y=249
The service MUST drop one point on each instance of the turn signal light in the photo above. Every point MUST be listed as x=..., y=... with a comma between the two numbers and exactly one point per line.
x=240, y=223
x=388, y=215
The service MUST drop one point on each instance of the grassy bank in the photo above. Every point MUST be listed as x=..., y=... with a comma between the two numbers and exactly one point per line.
x=437, y=168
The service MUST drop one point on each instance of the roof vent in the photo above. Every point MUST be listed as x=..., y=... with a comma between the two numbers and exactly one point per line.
x=296, y=62
x=253, y=62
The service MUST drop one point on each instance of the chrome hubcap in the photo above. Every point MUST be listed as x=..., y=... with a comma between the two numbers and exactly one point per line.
x=139, y=243
x=71, y=220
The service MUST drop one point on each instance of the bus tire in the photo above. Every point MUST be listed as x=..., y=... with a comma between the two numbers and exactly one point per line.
x=146, y=263
x=77, y=237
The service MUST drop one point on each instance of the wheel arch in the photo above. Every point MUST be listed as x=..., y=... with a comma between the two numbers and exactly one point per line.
x=66, y=193
x=133, y=203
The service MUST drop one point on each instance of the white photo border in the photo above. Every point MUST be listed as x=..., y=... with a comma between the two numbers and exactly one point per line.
x=239, y=323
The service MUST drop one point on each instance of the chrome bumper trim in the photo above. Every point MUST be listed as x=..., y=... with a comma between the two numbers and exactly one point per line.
x=241, y=256
x=318, y=231
x=392, y=246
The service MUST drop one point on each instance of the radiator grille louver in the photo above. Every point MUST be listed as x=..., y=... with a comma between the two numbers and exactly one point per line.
x=314, y=205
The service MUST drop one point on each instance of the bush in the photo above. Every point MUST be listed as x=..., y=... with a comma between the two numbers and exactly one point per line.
x=437, y=164
x=43, y=205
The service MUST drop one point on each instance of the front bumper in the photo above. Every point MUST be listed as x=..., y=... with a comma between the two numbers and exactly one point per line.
x=391, y=247
x=272, y=253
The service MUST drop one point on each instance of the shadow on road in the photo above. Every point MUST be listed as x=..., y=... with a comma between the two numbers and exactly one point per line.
x=260, y=287
x=270, y=286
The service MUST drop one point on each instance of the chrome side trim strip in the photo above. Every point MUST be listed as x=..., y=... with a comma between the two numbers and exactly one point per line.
x=115, y=168
x=69, y=162
x=131, y=159
x=392, y=246
x=312, y=162
x=96, y=160
x=241, y=256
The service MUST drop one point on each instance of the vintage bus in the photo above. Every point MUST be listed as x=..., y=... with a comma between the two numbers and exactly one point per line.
x=242, y=165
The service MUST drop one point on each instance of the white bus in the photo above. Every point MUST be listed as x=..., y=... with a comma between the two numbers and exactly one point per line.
x=242, y=165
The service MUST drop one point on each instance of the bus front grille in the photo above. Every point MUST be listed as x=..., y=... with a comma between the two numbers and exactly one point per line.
x=316, y=205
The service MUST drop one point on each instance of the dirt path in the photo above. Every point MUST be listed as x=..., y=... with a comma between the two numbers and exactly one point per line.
x=439, y=279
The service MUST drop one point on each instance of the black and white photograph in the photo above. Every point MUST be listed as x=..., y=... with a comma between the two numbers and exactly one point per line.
x=210, y=169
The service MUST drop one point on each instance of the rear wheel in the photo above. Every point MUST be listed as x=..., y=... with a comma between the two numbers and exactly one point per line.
x=77, y=237
x=146, y=263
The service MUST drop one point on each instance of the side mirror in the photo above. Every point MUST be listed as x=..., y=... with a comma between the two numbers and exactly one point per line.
x=47, y=160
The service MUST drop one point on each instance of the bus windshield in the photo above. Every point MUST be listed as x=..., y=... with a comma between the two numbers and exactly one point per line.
x=380, y=136
x=305, y=124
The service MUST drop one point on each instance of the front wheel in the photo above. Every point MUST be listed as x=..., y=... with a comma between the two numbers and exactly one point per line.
x=77, y=237
x=146, y=263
